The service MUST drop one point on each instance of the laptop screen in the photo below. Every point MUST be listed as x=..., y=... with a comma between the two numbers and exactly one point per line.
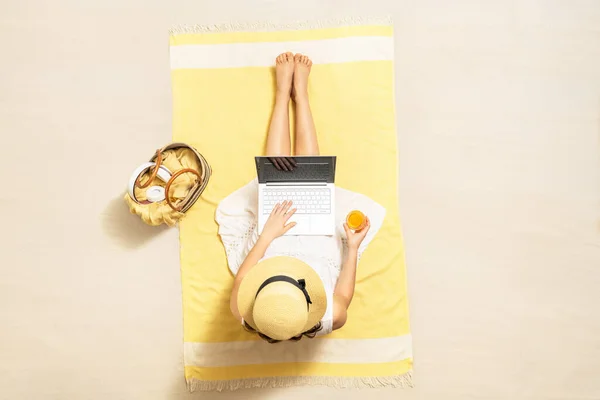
x=296, y=169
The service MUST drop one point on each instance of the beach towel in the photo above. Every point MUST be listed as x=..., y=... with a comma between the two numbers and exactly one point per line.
x=223, y=94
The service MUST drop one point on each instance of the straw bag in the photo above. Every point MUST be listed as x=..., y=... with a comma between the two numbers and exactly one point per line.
x=162, y=190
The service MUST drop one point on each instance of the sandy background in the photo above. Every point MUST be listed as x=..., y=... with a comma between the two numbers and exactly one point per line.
x=499, y=139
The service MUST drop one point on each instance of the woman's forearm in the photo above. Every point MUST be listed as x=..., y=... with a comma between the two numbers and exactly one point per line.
x=253, y=257
x=344, y=288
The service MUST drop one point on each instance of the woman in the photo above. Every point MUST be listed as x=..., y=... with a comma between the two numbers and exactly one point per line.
x=287, y=287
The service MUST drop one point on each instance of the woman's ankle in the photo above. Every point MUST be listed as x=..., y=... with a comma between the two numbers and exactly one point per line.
x=281, y=95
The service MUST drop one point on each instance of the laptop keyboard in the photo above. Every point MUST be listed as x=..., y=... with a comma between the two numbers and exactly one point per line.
x=305, y=200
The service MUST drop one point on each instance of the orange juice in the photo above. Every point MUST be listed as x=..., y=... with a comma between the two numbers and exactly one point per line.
x=356, y=220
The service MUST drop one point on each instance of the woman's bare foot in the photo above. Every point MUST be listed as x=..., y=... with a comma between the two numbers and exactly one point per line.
x=302, y=66
x=284, y=72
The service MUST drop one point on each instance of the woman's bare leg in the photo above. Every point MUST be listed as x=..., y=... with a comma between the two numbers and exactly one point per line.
x=306, y=134
x=278, y=139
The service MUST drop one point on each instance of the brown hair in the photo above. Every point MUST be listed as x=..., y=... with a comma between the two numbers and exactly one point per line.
x=311, y=333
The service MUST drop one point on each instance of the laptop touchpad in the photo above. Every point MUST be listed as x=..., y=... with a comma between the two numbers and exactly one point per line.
x=302, y=223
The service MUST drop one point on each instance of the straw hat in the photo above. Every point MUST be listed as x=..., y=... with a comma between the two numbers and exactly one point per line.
x=272, y=299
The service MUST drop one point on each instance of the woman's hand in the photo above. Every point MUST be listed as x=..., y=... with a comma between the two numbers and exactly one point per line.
x=277, y=224
x=356, y=238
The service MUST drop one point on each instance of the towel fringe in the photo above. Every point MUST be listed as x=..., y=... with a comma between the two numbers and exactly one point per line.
x=397, y=381
x=265, y=26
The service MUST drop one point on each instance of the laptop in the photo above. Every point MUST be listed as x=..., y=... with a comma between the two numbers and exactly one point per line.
x=308, y=181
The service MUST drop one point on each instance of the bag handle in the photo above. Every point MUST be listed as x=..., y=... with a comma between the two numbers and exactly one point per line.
x=175, y=176
x=152, y=174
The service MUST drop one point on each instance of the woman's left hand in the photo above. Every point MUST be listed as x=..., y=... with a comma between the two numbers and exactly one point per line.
x=355, y=238
x=277, y=224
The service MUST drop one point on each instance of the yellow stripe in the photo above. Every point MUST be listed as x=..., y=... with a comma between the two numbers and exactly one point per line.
x=298, y=369
x=367, y=135
x=282, y=36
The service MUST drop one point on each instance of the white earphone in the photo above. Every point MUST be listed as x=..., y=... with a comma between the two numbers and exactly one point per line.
x=153, y=193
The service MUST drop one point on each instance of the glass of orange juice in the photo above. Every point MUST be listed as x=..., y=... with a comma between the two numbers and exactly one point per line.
x=356, y=220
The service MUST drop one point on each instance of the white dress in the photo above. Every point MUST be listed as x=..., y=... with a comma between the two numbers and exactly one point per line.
x=237, y=219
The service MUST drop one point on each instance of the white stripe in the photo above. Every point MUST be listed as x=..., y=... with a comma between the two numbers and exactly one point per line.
x=270, y=26
x=344, y=351
x=262, y=54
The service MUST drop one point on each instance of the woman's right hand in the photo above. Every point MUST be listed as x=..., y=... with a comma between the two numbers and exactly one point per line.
x=277, y=225
x=355, y=238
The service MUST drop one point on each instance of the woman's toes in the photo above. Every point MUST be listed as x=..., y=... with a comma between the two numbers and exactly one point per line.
x=298, y=57
x=282, y=57
x=289, y=56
